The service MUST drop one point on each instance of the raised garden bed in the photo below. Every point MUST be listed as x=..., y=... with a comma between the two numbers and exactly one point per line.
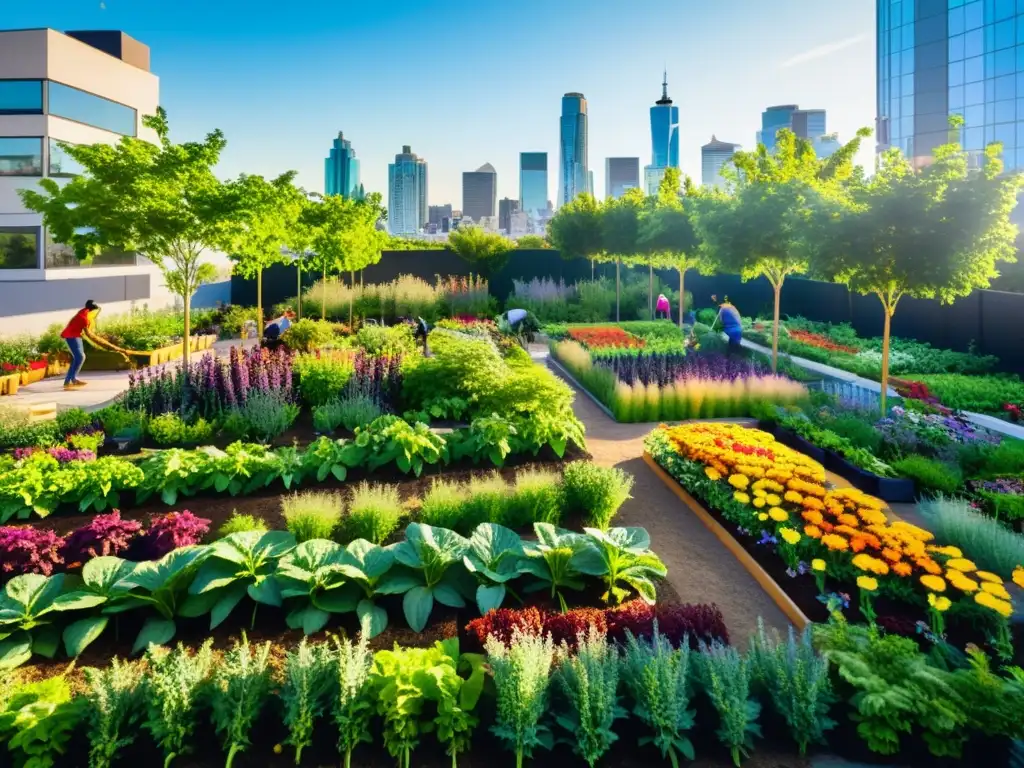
x=99, y=359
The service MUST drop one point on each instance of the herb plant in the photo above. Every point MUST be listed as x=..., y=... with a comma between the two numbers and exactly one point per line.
x=352, y=706
x=595, y=492
x=725, y=676
x=374, y=512
x=240, y=689
x=308, y=681
x=311, y=515
x=174, y=685
x=115, y=703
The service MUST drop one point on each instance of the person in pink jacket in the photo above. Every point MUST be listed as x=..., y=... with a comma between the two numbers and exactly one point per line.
x=662, y=309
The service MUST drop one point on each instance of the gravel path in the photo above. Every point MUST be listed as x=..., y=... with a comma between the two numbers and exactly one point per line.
x=700, y=569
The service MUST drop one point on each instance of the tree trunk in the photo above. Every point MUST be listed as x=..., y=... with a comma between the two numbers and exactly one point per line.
x=351, y=294
x=650, y=290
x=323, y=296
x=259, y=296
x=298, y=295
x=775, y=328
x=188, y=329
x=591, y=270
x=682, y=297
x=885, y=354
x=616, y=290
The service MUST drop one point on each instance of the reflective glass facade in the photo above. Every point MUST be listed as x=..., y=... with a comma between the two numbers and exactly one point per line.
x=665, y=136
x=19, y=247
x=21, y=156
x=773, y=120
x=407, y=193
x=61, y=163
x=533, y=182
x=73, y=104
x=573, y=176
x=938, y=58
x=341, y=170
x=713, y=156
x=21, y=97
x=620, y=174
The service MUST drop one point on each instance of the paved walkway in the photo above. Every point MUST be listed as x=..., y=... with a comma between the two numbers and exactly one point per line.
x=700, y=568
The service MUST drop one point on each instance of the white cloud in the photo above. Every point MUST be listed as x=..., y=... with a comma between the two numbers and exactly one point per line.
x=821, y=51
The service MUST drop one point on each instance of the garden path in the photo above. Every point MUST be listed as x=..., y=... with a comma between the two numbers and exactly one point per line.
x=700, y=568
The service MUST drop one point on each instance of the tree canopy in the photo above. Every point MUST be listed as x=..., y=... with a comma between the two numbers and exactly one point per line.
x=487, y=251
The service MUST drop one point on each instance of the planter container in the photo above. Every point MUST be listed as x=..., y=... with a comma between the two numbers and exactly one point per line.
x=895, y=489
x=9, y=383
x=797, y=443
x=32, y=376
x=108, y=360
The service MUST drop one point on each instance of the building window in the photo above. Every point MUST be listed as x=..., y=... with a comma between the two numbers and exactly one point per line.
x=974, y=69
x=1005, y=62
x=60, y=256
x=974, y=15
x=956, y=48
x=82, y=107
x=61, y=163
x=1006, y=112
x=1004, y=9
x=19, y=247
x=21, y=97
x=956, y=21
x=1005, y=35
x=974, y=43
x=22, y=156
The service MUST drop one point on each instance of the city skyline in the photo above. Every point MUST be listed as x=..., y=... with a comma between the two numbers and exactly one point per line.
x=275, y=114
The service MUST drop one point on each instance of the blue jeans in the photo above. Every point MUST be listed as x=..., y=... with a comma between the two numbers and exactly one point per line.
x=77, y=348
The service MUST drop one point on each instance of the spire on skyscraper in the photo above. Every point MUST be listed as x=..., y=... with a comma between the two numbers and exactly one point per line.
x=664, y=89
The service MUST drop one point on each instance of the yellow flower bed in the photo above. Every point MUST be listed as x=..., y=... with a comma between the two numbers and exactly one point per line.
x=845, y=522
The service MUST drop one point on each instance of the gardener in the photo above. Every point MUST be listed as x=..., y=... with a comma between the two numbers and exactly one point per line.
x=80, y=324
x=662, y=308
x=272, y=333
x=732, y=325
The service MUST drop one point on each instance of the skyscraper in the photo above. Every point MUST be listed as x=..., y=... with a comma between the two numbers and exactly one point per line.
x=620, y=174
x=664, y=139
x=480, y=192
x=573, y=175
x=407, y=193
x=937, y=59
x=713, y=156
x=341, y=170
x=438, y=213
x=506, y=207
x=533, y=182
x=805, y=123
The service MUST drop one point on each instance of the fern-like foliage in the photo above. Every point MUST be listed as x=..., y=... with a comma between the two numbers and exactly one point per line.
x=175, y=682
x=352, y=707
x=241, y=688
x=725, y=676
x=309, y=678
x=115, y=695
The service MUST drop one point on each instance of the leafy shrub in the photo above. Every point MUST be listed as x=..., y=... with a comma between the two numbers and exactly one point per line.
x=117, y=420
x=308, y=335
x=170, y=429
x=857, y=431
x=486, y=500
x=595, y=492
x=327, y=417
x=240, y=523
x=978, y=394
x=263, y=416
x=168, y=533
x=992, y=546
x=102, y=536
x=17, y=432
x=233, y=319
x=322, y=377
x=38, y=721
x=1006, y=460
x=73, y=419
x=29, y=550
x=311, y=514
x=384, y=340
x=929, y=474
x=535, y=498
x=357, y=410
x=374, y=512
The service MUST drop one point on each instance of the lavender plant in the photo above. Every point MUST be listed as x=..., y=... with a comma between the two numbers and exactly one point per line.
x=240, y=688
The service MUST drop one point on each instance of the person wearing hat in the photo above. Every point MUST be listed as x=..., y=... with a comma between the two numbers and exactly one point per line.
x=79, y=325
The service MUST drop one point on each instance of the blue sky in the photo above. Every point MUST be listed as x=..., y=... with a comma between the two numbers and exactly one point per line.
x=465, y=83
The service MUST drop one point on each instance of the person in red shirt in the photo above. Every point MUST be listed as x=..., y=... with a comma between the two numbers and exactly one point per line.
x=72, y=334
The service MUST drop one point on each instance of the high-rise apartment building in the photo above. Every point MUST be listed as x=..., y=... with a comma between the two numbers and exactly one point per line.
x=506, y=207
x=480, y=193
x=438, y=213
x=92, y=87
x=407, y=193
x=938, y=58
x=533, y=183
x=620, y=174
x=713, y=156
x=664, y=139
x=805, y=123
x=573, y=171
x=341, y=170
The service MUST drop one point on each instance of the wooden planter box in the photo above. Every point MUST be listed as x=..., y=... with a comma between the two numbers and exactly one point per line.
x=106, y=360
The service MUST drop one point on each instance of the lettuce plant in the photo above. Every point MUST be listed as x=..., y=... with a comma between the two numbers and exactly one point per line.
x=556, y=559
x=623, y=556
x=522, y=677
x=589, y=681
x=433, y=570
x=175, y=682
x=103, y=535
x=241, y=687
x=114, y=711
x=390, y=439
x=238, y=565
x=308, y=681
x=352, y=706
x=725, y=677
x=38, y=721
x=29, y=550
x=495, y=557
x=321, y=579
x=657, y=676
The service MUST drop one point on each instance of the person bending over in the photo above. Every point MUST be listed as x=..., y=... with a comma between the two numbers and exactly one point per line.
x=732, y=325
x=662, y=309
x=79, y=325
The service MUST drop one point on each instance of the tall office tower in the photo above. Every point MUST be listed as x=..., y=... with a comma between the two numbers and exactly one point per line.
x=590, y=183
x=533, y=183
x=937, y=59
x=664, y=139
x=438, y=213
x=620, y=174
x=805, y=123
x=573, y=173
x=341, y=170
x=506, y=207
x=480, y=193
x=713, y=156
x=407, y=193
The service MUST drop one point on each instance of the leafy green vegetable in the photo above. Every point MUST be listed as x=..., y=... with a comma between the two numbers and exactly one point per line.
x=38, y=721
x=320, y=578
x=623, y=555
x=495, y=557
x=556, y=558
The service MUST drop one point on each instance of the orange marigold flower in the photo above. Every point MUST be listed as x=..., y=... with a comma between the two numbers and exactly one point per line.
x=902, y=569
x=892, y=555
x=850, y=520
x=857, y=544
x=812, y=517
x=813, y=531
x=810, y=502
x=832, y=541
x=928, y=565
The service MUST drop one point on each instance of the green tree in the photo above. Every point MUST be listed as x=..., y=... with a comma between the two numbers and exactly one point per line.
x=268, y=212
x=532, y=243
x=487, y=251
x=620, y=232
x=763, y=230
x=575, y=230
x=937, y=233
x=160, y=200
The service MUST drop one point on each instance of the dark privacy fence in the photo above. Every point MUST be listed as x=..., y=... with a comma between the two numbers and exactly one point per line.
x=991, y=321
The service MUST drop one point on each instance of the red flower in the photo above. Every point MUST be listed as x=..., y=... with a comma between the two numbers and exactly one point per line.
x=817, y=340
x=605, y=336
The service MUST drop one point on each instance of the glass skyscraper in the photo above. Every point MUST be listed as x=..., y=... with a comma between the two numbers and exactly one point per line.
x=664, y=130
x=573, y=175
x=480, y=193
x=341, y=170
x=713, y=156
x=533, y=182
x=805, y=123
x=938, y=58
x=407, y=193
x=620, y=174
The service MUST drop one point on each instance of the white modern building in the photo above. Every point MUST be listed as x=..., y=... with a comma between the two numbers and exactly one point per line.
x=78, y=88
x=713, y=156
